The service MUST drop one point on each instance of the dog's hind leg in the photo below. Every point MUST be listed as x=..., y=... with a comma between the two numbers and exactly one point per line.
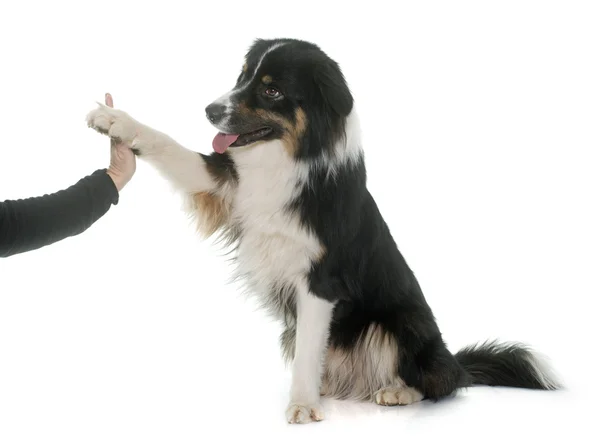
x=397, y=395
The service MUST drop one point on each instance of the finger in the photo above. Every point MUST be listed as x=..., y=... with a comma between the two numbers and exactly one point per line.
x=108, y=100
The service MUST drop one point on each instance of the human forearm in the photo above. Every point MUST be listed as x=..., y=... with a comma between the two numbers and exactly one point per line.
x=29, y=224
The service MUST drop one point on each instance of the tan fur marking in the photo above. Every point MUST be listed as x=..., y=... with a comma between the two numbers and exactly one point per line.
x=212, y=212
x=292, y=131
x=292, y=141
x=267, y=80
x=243, y=107
x=359, y=373
x=245, y=67
x=398, y=395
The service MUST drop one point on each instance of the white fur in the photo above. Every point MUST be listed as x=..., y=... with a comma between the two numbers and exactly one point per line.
x=544, y=372
x=312, y=332
x=226, y=99
x=185, y=169
x=274, y=249
x=358, y=373
x=275, y=254
x=348, y=149
x=258, y=65
x=398, y=395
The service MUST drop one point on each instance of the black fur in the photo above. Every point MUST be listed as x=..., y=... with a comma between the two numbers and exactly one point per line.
x=365, y=272
x=221, y=167
x=493, y=363
x=309, y=79
x=362, y=268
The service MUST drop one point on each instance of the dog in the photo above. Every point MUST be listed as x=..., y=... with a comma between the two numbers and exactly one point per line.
x=285, y=188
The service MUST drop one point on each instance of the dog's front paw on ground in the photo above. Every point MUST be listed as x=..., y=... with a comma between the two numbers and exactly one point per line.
x=114, y=123
x=300, y=413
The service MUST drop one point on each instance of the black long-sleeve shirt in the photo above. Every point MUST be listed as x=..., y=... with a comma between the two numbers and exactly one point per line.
x=28, y=224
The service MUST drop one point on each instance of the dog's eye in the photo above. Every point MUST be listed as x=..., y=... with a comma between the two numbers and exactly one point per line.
x=272, y=92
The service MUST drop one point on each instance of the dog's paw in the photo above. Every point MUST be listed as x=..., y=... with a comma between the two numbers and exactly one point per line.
x=300, y=413
x=117, y=124
x=397, y=396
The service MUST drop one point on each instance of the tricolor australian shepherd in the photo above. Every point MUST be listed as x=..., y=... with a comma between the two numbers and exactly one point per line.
x=286, y=187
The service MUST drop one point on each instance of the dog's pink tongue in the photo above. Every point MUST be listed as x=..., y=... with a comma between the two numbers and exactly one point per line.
x=223, y=141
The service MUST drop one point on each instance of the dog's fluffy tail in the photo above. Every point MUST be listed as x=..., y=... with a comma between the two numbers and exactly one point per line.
x=507, y=364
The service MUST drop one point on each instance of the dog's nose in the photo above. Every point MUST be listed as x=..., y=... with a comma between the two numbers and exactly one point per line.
x=215, y=112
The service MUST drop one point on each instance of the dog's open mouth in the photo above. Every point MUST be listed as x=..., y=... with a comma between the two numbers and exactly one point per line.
x=223, y=141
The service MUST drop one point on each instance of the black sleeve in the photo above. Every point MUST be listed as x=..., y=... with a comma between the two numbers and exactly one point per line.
x=29, y=224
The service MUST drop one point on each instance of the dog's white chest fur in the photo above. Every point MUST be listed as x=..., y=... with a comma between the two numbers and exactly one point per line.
x=274, y=250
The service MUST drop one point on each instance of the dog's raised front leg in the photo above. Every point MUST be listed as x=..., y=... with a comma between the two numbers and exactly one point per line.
x=187, y=170
x=312, y=332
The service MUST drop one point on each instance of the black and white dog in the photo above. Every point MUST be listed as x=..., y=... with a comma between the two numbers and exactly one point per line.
x=286, y=187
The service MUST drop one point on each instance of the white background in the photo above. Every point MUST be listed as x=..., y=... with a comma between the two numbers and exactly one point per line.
x=481, y=129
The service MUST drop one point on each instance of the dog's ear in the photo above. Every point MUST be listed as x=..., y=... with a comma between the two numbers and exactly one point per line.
x=333, y=87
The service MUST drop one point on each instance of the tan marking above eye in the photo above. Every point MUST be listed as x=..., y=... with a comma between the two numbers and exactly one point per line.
x=267, y=80
x=245, y=67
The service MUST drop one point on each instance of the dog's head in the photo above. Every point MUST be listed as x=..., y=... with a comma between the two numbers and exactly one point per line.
x=288, y=90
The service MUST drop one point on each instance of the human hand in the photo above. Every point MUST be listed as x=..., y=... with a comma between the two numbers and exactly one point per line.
x=122, y=158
